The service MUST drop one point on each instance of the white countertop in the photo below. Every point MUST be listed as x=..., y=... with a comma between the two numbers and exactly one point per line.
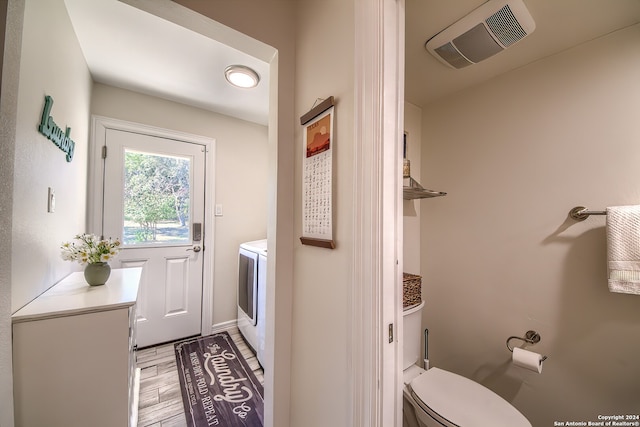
x=73, y=295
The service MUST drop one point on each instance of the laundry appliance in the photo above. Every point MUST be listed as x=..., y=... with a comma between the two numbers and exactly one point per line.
x=252, y=287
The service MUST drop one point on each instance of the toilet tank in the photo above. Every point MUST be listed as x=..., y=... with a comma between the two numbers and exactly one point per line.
x=412, y=331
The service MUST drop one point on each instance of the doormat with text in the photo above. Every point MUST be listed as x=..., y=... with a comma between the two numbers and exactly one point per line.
x=218, y=386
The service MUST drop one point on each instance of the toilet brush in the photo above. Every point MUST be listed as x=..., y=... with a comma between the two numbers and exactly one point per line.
x=426, y=349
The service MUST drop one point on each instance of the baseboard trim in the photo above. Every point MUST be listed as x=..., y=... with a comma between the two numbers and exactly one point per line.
x=224, y=326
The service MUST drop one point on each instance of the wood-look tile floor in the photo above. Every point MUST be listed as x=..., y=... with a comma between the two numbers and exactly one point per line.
x=160, y=398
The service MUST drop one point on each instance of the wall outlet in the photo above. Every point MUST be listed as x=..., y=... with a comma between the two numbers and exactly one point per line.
x=51, y=201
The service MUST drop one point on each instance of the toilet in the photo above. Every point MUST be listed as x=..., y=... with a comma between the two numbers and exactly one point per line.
x=436, y=398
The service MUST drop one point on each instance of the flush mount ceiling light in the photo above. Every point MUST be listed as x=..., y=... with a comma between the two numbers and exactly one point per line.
x=241, y=76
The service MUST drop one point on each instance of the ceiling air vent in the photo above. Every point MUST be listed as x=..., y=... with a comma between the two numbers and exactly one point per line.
x=487, y=30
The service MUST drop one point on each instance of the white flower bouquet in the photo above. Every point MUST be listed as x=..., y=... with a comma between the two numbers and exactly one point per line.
x=89, y=249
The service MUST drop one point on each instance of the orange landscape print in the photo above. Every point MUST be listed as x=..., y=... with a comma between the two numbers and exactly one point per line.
x=319, y=136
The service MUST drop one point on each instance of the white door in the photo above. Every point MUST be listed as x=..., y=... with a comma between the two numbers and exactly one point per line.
x=154, y=202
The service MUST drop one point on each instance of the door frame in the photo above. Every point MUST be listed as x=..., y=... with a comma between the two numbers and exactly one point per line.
x=376, y=299
x=99, y=126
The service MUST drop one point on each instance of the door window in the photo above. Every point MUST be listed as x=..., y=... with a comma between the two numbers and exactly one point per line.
x=156, y=199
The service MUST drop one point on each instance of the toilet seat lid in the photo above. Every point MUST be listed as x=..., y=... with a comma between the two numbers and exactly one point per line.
x=459, y=401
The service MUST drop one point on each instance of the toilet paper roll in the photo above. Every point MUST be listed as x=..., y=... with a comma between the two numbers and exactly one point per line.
x=527, y=359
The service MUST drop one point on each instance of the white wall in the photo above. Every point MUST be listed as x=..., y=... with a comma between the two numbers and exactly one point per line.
x=240, y=175
x=12, y=36
x=499, y=254
x=51, y=64
x=322, y=277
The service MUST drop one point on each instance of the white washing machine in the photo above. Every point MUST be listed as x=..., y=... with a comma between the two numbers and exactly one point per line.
x=252, y=283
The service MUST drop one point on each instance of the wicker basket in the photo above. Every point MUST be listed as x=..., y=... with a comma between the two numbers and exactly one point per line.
x=411, y=290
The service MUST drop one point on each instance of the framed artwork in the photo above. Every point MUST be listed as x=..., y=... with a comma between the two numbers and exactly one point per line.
x=317, y=175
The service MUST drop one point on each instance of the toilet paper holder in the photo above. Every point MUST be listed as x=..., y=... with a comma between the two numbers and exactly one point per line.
x=531, y=337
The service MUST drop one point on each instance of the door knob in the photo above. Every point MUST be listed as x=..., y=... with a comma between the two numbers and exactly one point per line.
x=195, y=249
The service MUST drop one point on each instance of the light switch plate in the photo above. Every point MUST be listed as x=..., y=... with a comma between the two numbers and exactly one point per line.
x=218, y=210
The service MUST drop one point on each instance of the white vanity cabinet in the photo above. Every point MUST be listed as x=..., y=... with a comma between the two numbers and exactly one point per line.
x=74, y=354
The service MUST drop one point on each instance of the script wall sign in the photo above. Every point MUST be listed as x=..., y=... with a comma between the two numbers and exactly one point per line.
x=52, y=131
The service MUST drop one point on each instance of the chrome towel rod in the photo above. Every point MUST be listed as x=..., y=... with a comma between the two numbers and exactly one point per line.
x=580, y=213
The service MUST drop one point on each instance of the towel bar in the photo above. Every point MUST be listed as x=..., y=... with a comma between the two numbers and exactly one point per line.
x=580, y=213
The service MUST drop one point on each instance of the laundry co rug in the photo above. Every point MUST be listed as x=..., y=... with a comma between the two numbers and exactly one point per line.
x=218, y=387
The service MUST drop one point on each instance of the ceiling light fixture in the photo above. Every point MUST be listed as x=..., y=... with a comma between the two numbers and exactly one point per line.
x=241, y=76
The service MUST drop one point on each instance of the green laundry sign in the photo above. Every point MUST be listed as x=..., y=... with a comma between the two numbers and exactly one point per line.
x=52, y=131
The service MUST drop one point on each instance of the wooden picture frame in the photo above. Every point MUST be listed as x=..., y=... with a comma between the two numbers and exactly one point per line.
x=317, y=175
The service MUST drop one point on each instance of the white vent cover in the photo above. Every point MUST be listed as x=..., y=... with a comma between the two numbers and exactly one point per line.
x=487, y=30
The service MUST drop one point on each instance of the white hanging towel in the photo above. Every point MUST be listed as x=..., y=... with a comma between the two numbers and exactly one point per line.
x=623, y=249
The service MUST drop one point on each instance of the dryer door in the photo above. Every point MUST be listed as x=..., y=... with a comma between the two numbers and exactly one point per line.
x=248, y=284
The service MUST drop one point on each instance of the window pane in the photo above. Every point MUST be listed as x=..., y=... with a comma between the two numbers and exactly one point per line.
x=156, y=199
